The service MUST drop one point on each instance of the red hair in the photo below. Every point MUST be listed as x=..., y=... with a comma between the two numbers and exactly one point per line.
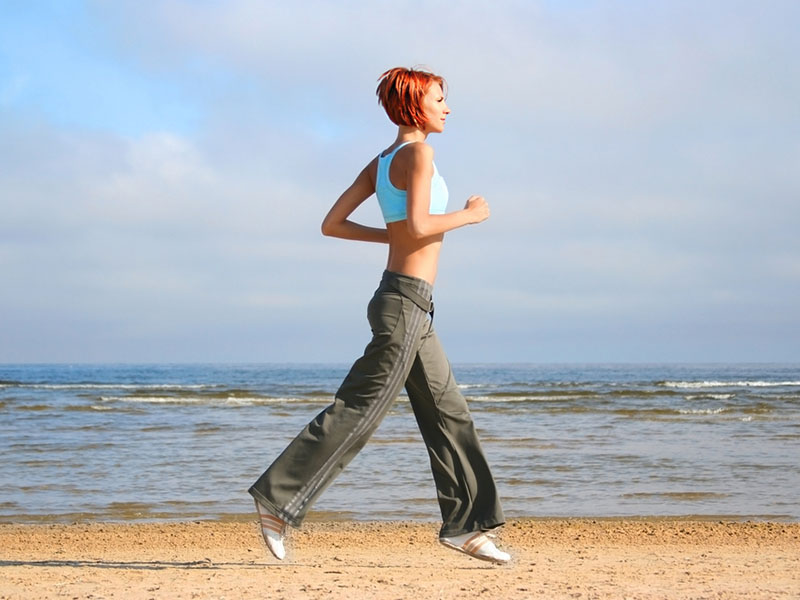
x=400, y=92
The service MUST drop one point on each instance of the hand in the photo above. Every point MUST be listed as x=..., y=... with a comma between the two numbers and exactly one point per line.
x=477, y=208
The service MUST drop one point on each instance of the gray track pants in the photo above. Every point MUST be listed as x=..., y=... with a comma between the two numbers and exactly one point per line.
x=404, y=350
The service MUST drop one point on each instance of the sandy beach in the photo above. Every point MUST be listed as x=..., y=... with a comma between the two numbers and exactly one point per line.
x=389, y=560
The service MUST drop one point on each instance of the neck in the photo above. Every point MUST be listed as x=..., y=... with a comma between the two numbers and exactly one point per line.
x=410, y=134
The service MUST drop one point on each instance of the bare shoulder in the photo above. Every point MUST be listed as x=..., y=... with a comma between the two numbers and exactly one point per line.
x=419, y=150
x=417, y=155
x=371, y=171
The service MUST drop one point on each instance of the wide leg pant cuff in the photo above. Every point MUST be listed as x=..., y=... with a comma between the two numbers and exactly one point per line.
x=487, y=526
x=262, y=500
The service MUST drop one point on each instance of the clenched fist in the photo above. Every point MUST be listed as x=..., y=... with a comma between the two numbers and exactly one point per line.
x=477, y=208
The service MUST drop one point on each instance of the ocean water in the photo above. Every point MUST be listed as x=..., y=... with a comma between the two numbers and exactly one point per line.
x=180, y=442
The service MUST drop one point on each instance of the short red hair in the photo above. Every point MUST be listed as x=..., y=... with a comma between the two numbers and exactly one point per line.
x=400, y=92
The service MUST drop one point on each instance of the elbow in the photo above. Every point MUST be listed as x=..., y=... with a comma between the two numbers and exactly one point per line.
x=327, y=228
x=416, y=230
x=331, y=228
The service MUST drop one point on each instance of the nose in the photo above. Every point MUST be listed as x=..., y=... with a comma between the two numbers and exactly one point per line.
x=446, y=109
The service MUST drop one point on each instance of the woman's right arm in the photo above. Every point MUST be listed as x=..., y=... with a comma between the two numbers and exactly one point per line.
x=337, y=222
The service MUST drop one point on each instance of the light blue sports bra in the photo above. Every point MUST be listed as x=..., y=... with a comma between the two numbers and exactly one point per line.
x=393, y=201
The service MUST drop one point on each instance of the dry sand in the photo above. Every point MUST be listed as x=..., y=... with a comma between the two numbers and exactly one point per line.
x=552, y=559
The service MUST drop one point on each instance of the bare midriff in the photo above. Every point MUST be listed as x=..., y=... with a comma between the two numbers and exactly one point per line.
x=411, y=256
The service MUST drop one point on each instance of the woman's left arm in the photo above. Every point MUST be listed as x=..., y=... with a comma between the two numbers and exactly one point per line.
x=337, y=222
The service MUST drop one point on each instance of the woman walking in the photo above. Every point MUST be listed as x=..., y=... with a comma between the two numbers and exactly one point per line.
x=404, y=350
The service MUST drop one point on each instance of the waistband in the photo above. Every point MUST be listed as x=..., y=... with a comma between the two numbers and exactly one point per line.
x=415, y=289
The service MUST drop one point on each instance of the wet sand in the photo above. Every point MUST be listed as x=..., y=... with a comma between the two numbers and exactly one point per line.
x=579, y=558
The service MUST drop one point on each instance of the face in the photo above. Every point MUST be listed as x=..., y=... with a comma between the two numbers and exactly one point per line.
x=436, y=109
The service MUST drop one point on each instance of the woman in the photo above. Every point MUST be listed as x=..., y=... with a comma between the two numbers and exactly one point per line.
x=404, y=349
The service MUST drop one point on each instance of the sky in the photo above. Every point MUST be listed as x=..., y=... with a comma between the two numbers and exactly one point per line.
x=165, y=167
